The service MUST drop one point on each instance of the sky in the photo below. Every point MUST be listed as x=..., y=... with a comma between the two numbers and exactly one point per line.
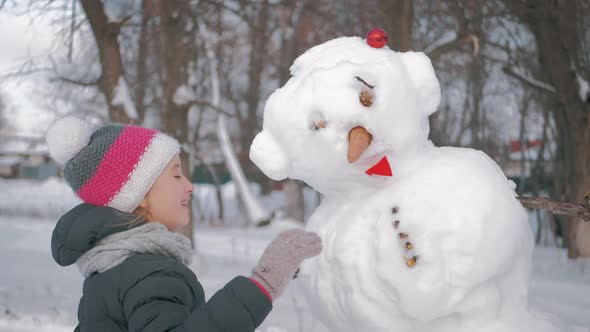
x=23, y=38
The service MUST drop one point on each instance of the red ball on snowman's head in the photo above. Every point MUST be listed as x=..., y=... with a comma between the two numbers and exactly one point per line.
x=377, y=38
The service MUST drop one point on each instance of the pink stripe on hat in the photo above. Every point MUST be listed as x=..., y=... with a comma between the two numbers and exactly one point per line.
x=116, y=165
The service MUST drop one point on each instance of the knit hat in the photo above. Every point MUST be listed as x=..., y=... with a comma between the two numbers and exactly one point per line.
x=115, y=165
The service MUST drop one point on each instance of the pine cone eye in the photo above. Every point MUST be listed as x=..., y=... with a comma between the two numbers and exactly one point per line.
x=366, y=98
x=317, y=121
x=366, y=95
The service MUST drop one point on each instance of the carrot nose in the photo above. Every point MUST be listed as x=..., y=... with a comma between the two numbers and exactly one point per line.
x=358, y=141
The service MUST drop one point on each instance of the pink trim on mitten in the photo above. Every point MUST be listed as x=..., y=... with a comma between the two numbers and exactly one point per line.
x=262, y=289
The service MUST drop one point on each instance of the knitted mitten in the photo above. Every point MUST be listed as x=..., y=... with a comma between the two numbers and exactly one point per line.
x=281, y=259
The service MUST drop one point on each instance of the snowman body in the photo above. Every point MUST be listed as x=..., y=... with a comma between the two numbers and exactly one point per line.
x=472, y=245
x=416, y=238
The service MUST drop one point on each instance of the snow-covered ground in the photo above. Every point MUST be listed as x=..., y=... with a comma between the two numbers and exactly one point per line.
x=38, y=295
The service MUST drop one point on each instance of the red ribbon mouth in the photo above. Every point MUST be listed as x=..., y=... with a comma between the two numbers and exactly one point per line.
x=381, y=168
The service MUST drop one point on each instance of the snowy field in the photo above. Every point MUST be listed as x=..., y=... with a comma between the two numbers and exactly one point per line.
x=38, y=295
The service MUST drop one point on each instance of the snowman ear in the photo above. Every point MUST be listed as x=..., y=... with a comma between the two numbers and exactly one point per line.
x=422, y=75
x=269, y=156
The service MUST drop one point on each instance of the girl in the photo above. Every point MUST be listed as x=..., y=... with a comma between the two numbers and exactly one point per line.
x=122, y=238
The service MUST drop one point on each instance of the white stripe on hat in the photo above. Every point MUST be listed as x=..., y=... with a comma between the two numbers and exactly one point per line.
x=151, y=164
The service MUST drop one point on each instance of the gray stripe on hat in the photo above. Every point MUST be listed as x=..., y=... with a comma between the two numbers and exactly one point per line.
x=83, y=166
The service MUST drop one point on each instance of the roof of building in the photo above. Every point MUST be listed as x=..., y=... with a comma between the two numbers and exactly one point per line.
x=17, y=145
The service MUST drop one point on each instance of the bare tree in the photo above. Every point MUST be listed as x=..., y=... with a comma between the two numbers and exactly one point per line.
x=175, y=56
x=557, y=28
x=257, y=41
x=169, y=44
x=106, y=35
x=145, y=35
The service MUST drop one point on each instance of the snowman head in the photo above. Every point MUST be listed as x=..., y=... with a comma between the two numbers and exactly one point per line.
x=346, y=106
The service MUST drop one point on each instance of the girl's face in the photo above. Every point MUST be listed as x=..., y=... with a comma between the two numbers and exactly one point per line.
x=168, y=200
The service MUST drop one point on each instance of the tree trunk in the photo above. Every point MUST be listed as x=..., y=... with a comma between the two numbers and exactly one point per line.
x=581, y=230
x=555, y=25
x=294, y=196
x=295, y=207
x=105, y=34
x=475, y=96
x=175, y=55
x=141, y=82
x=258, y=37
x=397, y=17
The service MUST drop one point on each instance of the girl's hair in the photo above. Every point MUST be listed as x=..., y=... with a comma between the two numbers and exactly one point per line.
x=141, y=216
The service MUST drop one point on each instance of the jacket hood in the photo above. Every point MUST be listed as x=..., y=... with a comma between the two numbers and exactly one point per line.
x=82, y=227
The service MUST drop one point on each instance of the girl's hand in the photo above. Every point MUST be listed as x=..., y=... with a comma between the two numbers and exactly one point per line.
x=281, y=259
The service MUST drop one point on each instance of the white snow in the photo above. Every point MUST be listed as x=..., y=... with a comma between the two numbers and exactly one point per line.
x=38, y=295
x=451, y=209
x=183, y=95
x=117, y=10
x=583, y=88
x=122, y=97
x=50, y=198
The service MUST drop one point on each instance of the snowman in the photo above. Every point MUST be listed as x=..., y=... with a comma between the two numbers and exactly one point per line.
x=416, y=237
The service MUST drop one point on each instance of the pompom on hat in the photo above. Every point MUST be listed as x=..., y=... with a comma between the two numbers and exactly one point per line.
x=114, y=165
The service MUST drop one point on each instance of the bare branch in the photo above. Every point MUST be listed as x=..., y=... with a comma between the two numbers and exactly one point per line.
x=529, y=81
x=436, y=52
x=465, y=34
x=475, y=41
x=23, y=72
x=125, y=20
x=210, y=105
x=581, y=211
x=459, y=14
x=106, y=35
x=239, y=13
x=72, y=32
x=76, y=82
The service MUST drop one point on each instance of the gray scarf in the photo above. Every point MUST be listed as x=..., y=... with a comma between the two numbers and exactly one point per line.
x=151, y=238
